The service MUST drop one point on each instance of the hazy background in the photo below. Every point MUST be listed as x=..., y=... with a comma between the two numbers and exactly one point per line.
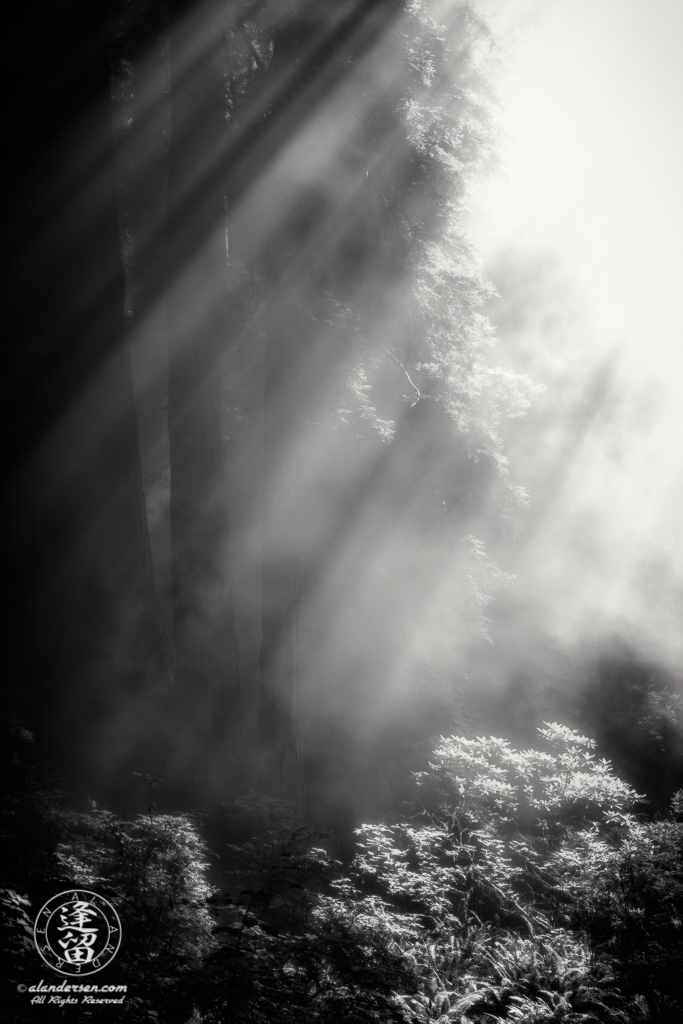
x=582, y=235
x=351, y=559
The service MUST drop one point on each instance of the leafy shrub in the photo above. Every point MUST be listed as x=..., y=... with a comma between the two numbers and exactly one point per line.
x=525, y=886
x=154, y=871
x=292, y=949
x=633, y=911
x=497, y=890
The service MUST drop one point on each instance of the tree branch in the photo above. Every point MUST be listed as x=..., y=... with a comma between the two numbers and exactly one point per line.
x=140, y=131
x=399, y=363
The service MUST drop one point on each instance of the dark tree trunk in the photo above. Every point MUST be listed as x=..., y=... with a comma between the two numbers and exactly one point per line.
x=281, y=739
x=206, y=671
x=141, y=133
x=279, y=713
x=312, y=49
x=86, y=635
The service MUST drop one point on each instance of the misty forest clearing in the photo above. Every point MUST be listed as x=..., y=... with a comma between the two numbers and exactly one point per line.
x=342, y=504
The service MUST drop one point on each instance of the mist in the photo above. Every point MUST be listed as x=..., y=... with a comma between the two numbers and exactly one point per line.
x=344, y=475
x=342, y=541
x=581, y=235
x=397, y=347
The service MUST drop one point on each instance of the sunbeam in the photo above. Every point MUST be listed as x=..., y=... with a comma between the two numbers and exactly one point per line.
x=343, y=549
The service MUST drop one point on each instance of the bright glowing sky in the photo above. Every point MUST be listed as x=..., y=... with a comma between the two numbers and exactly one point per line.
x=593, y=111
x=593, y=100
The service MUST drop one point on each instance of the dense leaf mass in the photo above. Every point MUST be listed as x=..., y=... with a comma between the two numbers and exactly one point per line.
x=520, y=885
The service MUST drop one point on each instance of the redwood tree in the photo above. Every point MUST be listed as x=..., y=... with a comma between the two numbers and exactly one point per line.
x=85, y=634
x=207, y=679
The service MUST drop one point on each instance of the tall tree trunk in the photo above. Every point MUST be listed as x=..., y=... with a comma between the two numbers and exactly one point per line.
x=279, y=714
x=281, y=736
x=206, y=671
x=86, y=632
x=141, y=132
x=313, y=46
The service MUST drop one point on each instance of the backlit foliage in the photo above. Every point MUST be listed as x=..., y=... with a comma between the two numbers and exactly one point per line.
x=520, y=886
x=524, y=886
